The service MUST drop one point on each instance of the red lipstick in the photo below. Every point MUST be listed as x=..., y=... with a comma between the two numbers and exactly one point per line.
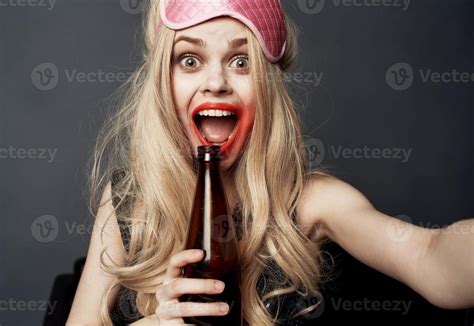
x=218, y=106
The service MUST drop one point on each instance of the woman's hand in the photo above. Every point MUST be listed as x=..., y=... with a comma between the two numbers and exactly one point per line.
x=170, y=309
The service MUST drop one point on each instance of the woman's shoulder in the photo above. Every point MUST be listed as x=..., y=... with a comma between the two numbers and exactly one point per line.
x=322, y=196
x=311, y=205
x=324, y=183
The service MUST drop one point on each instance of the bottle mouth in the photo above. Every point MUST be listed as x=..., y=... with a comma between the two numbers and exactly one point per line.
x=209, y=152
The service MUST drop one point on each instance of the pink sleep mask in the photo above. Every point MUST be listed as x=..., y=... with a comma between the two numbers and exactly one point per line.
x=265, y=18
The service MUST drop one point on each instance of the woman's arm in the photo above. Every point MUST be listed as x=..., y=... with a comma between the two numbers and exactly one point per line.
x=438, y=264
x=451, y=254
x=94, y=282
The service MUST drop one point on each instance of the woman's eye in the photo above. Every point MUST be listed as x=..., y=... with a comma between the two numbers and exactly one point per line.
x=189, y=61
x=192, y=62
x=241, y=62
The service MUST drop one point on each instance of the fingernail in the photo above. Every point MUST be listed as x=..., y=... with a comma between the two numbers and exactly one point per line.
x=223, y=307
x=219, y=285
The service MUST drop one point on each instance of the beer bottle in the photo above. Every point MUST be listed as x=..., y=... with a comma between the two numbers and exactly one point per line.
x=212, y=229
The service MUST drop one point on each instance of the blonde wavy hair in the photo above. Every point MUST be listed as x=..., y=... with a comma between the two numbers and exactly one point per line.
x=143, y=137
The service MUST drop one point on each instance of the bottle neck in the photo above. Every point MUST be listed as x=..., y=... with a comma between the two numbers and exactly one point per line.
x=209, y=153
x=209, y=165
x=209, y=157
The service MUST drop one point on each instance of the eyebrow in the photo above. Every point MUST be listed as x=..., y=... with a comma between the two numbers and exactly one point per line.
x=235, y=43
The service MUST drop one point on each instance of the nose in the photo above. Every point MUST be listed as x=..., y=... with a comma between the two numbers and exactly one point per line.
x=216, y=81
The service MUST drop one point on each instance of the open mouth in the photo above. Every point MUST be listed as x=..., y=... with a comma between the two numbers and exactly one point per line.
x=216, y=126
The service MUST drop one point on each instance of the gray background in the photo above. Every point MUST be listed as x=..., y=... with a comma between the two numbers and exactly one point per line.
x=353, y=106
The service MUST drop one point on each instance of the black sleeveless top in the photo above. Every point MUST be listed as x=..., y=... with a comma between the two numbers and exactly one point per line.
x=124, y=311
x=342, y=296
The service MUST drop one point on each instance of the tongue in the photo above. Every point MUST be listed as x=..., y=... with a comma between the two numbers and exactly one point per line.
x=217, y=130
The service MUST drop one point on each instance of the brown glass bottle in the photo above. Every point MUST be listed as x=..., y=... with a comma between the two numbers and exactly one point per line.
x=212, y=229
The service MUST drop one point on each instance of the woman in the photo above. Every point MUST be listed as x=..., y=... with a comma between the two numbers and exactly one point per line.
x=200, y=57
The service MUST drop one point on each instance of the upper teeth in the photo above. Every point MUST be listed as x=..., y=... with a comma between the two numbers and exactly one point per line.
x=215, y=113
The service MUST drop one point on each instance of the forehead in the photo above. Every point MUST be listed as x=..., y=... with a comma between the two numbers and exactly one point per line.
x=215, y=28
